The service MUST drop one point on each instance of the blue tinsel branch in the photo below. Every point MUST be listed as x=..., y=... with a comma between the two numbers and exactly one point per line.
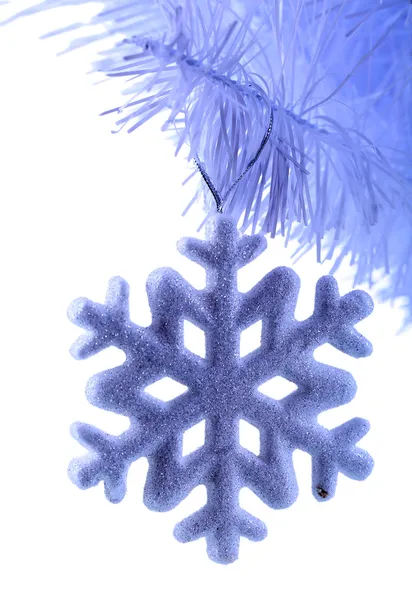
x=336, y=77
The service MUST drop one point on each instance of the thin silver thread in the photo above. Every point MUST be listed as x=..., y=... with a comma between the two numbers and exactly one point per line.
x=217, y=197
x=215, y=193
x=256, y=157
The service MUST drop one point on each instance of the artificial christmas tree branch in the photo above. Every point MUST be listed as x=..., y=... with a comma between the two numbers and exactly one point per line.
x=335, y=76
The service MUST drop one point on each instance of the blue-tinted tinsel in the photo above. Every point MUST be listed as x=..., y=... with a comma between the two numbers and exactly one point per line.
x=333, y=75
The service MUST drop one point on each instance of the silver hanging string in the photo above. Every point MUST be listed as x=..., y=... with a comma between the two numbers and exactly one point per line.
x=215, y=193
x=217, y=197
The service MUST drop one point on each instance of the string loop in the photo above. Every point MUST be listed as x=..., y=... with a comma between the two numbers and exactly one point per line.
x=217, y=197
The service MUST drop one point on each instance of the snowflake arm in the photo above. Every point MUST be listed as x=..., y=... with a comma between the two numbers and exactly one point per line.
x=104, y=323
x=287, y=348
x=115, y=389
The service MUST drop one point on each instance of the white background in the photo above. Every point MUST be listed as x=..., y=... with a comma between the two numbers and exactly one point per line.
x=79, y=205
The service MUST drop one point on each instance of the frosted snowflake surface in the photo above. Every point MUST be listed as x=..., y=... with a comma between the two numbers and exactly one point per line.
x=222, y=389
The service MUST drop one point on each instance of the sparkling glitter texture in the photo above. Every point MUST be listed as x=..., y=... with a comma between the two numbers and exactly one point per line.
x=222, y=388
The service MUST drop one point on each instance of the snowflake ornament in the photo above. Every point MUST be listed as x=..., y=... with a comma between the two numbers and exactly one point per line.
x=222, y=388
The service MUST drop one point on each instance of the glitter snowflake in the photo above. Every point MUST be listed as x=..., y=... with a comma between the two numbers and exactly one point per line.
x=222, y=388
